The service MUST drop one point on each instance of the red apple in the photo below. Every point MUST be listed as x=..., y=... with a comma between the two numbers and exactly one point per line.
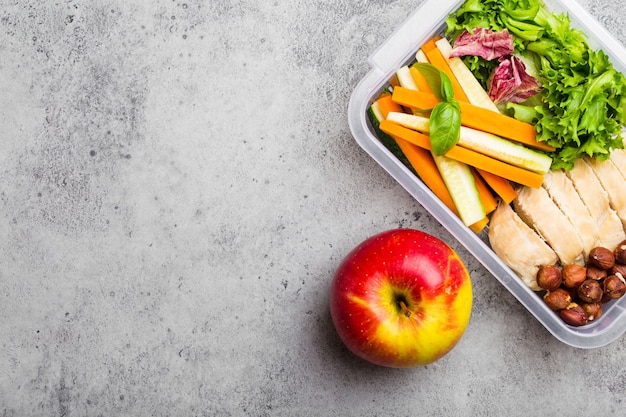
x=401, y=299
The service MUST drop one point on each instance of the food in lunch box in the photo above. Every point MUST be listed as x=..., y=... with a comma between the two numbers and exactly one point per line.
x=515, y=123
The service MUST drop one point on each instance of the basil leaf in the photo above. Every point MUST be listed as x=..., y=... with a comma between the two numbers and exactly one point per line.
x=432, y=75
x=445, y=126
x=446, y=87
x=437, y=80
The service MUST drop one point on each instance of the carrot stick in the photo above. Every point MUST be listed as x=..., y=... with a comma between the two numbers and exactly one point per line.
x=472, y=158
x=484, y=192
x=422, y=162
x=502, y=125
x=394, y=81
x=420, y=100
x=436, y=58
x=430, y=44
x=386, y=105
x=420, y=80
x=477, y=118
x=501, y=186
x=480, y=225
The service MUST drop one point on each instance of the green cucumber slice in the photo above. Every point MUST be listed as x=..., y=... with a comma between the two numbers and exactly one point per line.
x=390, y=143
x=460, y=183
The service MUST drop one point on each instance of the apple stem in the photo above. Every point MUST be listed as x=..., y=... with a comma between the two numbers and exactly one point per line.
x=405, y=309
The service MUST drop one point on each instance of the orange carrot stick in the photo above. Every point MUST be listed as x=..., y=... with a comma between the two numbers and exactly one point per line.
x=420, y=100
x=386, y=105
x=477, y=118
x=422, y=162
x=420, y=80
x=502, y=125
x=479, y=225
x=431, y=44
x=472, y=158
x=501, y=186
x=394, y=81
x=436, y=58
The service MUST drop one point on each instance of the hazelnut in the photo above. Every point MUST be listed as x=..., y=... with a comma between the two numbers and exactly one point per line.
x=557, y=299
x=601, y=257
x=574, y=315
x=620, y=253
x=590, y=291
x=618, y=269
x=549, y=277
x=592, y=310
x=593, y=272
x=573, y=275
x=614, y=286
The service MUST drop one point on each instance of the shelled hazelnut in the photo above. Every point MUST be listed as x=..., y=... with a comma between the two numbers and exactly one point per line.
x=620, y=253
x=573, y=275
x=595, y=273
x=549, y=277
x=590, y=291
x=601, y=257
x=557, y=299
x=573, y=315
x=592, y=310
x=618, y=269
x=579, y=297
x=614, y=286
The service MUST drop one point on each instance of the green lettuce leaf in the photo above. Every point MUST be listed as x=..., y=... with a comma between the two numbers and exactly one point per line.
x=582, y=107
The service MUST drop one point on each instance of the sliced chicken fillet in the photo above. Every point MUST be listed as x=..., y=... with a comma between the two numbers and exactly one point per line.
x=519, y=246
x=611, y=232
x=536, y=208
x=564, y=194
x=596, y=199
x=618, y=156
x=589, y=189
x=614, y=185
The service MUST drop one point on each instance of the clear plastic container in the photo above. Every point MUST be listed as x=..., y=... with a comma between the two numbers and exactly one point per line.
x=399, y=49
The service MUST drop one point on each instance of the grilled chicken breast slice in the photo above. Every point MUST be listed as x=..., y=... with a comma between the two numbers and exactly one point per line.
x=536, y=208
x=596, y=199
x=562, y=191
x=518, y=245
x=618, y=156
x=613, y=183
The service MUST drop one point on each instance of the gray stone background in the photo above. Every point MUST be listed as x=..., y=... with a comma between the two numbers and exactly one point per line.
x=178, y=183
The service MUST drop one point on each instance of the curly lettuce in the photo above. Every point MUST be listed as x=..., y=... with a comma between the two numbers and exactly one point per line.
x=581, y=108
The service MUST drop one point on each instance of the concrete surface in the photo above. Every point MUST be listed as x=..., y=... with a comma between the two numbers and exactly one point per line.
x=178, y=184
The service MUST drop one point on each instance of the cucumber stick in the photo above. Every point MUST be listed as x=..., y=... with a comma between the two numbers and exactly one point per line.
x=485, y=143
x=376, y=116
x=405, y=78
x=420, y=56
x=474, y=91
x=460, y=183
x=505, y=150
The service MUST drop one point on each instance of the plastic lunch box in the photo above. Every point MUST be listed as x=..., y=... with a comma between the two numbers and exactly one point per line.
x=399, y=49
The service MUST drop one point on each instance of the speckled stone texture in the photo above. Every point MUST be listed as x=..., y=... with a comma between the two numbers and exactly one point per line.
x=178, y=183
